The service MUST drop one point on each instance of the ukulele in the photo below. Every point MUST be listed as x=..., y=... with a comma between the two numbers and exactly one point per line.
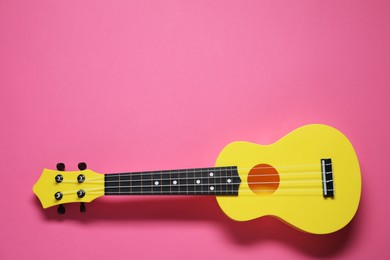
x=310, y=179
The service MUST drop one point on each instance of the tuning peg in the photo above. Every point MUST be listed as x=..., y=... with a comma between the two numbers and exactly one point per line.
x=60, y=166
x=82, y=166
x=61, y=209
x=82, y=207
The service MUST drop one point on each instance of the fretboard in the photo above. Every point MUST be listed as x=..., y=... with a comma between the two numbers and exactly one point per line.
x=199, y=181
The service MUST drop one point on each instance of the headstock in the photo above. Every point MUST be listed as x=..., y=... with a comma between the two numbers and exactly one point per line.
x=56, y=187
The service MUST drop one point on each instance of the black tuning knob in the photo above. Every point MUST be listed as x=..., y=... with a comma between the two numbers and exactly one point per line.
x=80, y=193
x=61, y=209
x=59, y=178
x=82, y=166
x=82, y=207
x=60, y=166
x=81, y=178
x=58, y=195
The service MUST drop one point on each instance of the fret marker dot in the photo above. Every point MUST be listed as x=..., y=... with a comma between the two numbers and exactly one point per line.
x=156, y=183
x=198, y=181
x=229, y=180
x=174, y=182
x=211, y=174
x=211, y=187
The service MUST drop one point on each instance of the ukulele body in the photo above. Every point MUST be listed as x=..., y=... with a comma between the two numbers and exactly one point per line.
x=286, y=180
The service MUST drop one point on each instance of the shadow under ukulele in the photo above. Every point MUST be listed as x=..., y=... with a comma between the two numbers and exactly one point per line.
x=136, y=209
x=310, y=178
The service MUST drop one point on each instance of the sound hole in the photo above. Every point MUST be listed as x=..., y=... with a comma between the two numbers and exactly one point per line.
x=263, y=179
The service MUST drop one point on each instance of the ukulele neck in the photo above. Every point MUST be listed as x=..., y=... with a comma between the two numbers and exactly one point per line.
x=197, y=181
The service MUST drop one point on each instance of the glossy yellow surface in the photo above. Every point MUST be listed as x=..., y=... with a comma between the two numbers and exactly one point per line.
x=46, y=187
x=299, y=199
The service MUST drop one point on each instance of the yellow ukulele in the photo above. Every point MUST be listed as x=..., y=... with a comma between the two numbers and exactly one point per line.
x=310, y=179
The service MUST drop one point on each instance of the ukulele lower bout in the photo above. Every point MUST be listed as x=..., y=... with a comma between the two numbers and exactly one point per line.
x=310, y=179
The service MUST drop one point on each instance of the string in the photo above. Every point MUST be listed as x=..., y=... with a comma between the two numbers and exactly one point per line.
x=195, y=192
x=222, y=183
x=212, y=169
x=242, y=189
x=101, y=180
x=185, y=185
x=216, y=192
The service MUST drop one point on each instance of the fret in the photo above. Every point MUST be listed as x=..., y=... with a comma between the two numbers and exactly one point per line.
x=141, y=182
x=186, y=176
x=119, y=183
x=174, y=182
x=199, y=181
x=227, y=183
x=156, y=183
x=146, y=178
x=124, y=183
x=204, y=181
x=229, y=178
x=235, y=180
x=182, y=182
x=191, y=182
x=111, y=184
x=211, y=177
x=223, y=181
x=165, y=182
x=161, y=183
x=136, y=183
x=219, y=179
x=131, y=186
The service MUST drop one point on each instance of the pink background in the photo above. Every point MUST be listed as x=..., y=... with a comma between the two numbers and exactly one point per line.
x=148, y=85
